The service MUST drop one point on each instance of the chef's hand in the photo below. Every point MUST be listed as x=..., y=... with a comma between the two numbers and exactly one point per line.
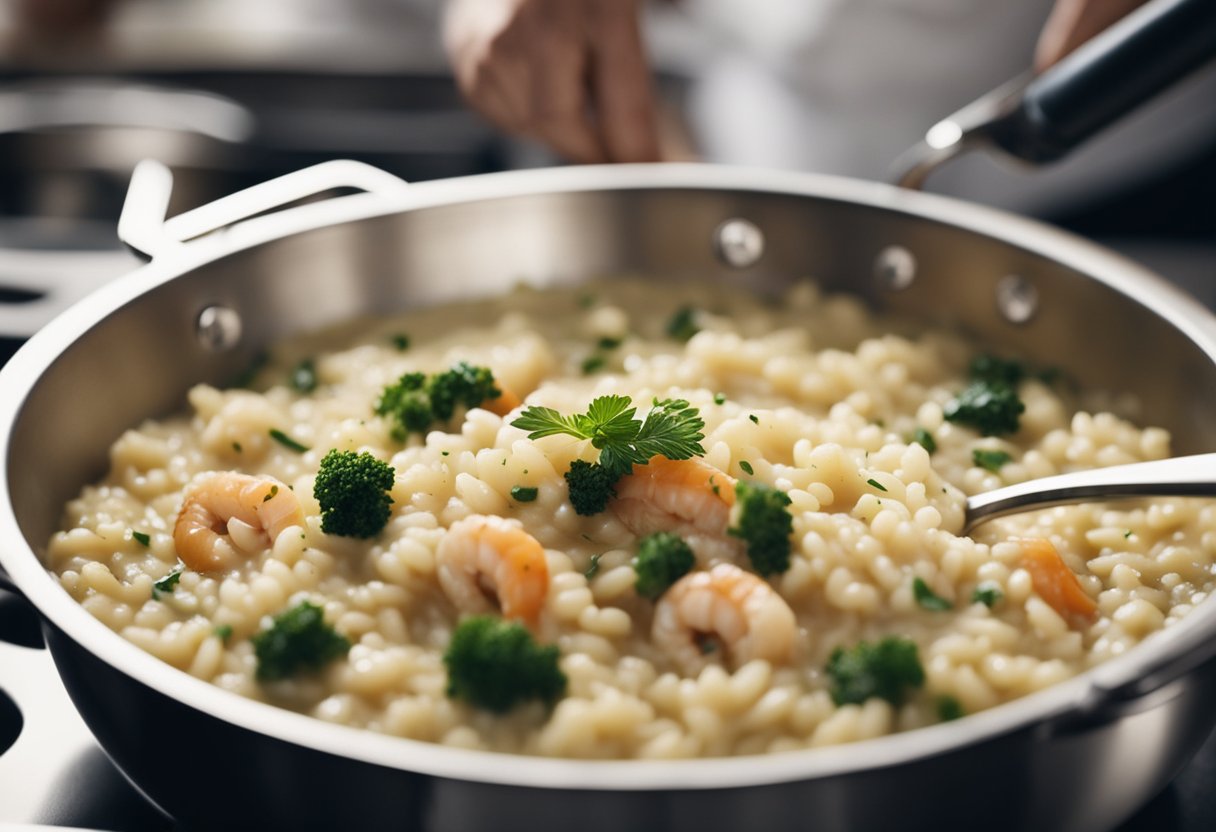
x=570, y=73
x=1072, y=22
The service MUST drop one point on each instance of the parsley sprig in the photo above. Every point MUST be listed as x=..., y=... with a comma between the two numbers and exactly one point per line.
x=671, y=429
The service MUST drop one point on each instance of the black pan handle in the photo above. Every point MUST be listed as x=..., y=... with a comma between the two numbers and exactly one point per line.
x=1110, y=75
x=1040, y=119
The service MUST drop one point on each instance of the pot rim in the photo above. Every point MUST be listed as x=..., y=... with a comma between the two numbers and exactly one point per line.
x=1082, y=695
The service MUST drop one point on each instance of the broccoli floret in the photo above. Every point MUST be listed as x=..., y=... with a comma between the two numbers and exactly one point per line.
x=765, y=524
x=496, y=664
x=463, y=384
x=663, y=558
x=888, y=669
x=299, y=640
x=992, y=408
x=415, y=402
x=353, y=492
x=591, y=487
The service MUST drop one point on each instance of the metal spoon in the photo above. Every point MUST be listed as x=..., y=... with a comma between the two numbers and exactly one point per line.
x=1184, y=476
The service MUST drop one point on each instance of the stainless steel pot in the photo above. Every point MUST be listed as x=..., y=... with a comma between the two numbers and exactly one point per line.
x=1081, y=755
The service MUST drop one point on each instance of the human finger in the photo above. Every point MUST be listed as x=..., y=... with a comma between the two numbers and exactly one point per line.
x=620, y=82
x=1073, y=22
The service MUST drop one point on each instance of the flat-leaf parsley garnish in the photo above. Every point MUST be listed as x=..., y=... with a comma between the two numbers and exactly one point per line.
x=524, y=493
x=142, y=538
x=286, y=441
x=990, y=460
x=671, y=429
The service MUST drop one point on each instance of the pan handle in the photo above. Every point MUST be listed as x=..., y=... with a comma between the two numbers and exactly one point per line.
x=142, y=226
x=1040, y=119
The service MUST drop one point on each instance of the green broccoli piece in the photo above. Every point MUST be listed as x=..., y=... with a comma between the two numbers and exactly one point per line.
x=463, y=384
x=765, y=524
x=353, y=492
x=992, y=408
x=496, y=664
x=662, y=559
x=298, y=640
x=414, y=402
x=591, y=487
x=888, y=669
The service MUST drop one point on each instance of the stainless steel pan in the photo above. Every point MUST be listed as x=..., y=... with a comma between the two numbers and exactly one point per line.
x=1081, y=755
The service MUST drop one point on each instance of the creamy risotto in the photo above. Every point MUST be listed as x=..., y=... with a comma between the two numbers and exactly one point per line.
x=849, y=605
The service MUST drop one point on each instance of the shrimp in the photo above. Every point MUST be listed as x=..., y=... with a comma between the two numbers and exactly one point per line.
x=748, y=618
x=218, y=504
x=482, y=556
x=685, y=496
x=503, y=403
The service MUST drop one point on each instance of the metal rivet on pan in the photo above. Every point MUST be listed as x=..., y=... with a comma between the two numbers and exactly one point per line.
x=895, y=268
x=738, y=243
x=1016, y=298
x=218, y=328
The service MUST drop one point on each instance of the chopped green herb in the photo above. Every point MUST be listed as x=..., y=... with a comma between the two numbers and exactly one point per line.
x=298, y=640
x=593, y=568
x=925, y=439
x=990, y=460
x=609, y=343
x=671, y=429
x=304, y=376
x=996, y=370
x=271, y=494
x=593, y=364
x=683, y=324
x=765, y=524
x=747, y=467
x=236, y=446
x=495, y=665
x=246, y=377
x=223, y=632
x=949, y=708
x=523, y=494
x=927, y=598
x=993, y=409
x=719, y=398
x=352, y=490
x=1127, y=534
x=987, y=593
x=716, y=488
x=662, y=559
x=707, y=646
x=873, y=483
x=142, y=538
x=286, y=441
x=887, y=669
x=444, y=453
x=401, y=341
x=166, y=584
x=754, y=418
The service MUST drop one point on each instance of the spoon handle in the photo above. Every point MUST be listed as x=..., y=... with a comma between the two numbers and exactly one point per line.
x=1184, y=476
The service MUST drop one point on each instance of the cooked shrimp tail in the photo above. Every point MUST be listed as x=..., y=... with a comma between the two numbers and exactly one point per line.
x=483, y=558
x=739, y=611
x=684, y=496
x=226, y=515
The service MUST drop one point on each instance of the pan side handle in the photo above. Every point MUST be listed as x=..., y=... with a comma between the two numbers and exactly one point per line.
x=144, y=229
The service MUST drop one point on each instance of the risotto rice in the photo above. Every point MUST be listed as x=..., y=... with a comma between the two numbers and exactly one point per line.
x=814, y=396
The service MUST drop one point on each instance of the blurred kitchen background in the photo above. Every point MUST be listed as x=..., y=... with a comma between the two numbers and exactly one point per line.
x=232, y=92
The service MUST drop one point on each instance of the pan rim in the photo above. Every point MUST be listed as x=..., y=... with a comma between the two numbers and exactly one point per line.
x=1080, y=694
